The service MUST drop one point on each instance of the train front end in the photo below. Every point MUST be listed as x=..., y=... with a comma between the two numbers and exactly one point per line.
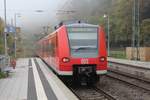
x=86, y=58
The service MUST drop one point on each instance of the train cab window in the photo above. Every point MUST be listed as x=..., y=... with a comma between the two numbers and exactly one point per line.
x=83, y=41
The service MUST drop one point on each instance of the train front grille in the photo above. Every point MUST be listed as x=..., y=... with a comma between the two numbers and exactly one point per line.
x=84, y=68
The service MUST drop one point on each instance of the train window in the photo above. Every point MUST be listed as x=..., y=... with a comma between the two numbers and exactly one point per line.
x=83, y=41
x=52, y=45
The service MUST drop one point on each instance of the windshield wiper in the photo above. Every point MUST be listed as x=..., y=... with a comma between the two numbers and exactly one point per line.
x=84, y=47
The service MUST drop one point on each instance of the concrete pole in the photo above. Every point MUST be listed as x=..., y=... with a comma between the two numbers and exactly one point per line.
x=15, y=34
x=5, y=31
x=108, y=34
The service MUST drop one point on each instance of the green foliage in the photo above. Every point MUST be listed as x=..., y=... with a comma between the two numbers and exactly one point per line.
x=118, y=54
x=145, y=32
x=1, y=45
x=1, y=26
x=3, y=75
x=121, y=21
x=10, y=40
x=120, y=13
x=1, y=36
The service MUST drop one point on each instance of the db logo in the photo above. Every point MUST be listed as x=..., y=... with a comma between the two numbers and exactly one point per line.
x=84, y=61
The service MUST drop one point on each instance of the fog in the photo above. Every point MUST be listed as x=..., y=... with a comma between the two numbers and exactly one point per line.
x=30, y=19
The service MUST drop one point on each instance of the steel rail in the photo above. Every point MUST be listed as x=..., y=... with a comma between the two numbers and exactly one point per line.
x=129, y=83
x=129, y=75
x=100, y=91
x=107, y=95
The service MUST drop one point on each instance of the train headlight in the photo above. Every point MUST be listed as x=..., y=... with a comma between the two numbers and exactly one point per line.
x=102, y=59
x=65, y=59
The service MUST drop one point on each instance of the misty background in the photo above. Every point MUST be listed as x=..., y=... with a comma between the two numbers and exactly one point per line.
x=38, y=18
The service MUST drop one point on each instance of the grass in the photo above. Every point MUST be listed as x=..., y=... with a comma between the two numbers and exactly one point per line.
x=3, y=75
x=118, y=54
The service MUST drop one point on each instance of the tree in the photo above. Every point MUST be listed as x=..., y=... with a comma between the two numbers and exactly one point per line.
x=145, y=32
x=120, y=13
x=1, y=36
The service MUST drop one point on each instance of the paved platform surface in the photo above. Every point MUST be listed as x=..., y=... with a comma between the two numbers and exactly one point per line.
x=33, y=80
x=131, y=62
x=136, y=69
x=15, y=86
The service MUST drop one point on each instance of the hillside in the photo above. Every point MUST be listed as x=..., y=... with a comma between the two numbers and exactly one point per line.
x=120, y=12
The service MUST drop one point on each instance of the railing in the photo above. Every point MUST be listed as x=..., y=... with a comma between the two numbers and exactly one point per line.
x=4, y=62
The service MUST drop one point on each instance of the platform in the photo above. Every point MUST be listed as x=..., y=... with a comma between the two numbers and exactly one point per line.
x=33, y=80
x=138, y=69
x=131, y=62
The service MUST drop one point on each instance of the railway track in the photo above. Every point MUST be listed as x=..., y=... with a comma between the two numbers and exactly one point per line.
x=91, y=93
x=128, y=79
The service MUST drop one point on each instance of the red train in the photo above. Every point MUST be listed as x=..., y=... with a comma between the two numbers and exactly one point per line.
x=77, y=50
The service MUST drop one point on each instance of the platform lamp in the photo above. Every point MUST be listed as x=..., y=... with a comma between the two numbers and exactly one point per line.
x=5, y=33
x=108, y=33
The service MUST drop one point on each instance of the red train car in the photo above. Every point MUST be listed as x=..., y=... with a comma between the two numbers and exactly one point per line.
x=77, y=50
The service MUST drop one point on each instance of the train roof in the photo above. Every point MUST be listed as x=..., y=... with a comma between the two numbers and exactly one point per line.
x=81, y=25
x=73, y=25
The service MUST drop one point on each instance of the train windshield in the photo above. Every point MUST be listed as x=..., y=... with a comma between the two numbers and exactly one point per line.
x=83, y=41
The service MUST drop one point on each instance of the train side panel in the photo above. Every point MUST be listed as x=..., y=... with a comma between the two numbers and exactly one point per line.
x=64, y=52
x=102, y=65
x=52, y=51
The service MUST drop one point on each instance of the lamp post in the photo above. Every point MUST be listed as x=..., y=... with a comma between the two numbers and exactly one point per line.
x=15, y=17
x=108, y=33
x=5, y=31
